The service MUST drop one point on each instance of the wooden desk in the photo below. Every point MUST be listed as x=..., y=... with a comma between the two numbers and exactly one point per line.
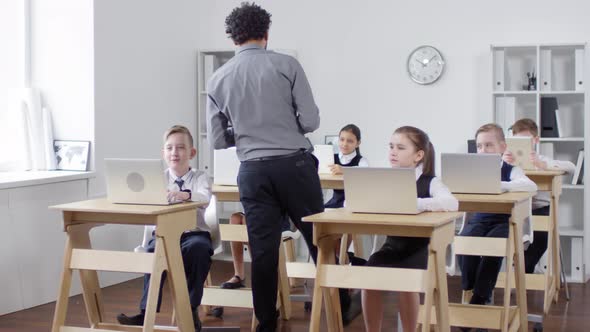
x=550, y=281
x=439, y=227
x=505, y=317
x=170, y=221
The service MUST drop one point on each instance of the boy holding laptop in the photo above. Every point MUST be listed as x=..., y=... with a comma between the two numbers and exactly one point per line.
x=528, y=128
x=184, y=184
x=479, y=274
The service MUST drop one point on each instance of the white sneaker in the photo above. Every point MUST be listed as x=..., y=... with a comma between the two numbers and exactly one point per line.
x=291, y=235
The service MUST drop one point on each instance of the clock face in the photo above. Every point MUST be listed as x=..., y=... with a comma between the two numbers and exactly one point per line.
x=425, y=65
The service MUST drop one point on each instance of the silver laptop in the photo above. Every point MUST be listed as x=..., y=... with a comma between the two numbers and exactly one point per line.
x=225, y=167
x=472, y=173
x=381, y=190
x=136, y=181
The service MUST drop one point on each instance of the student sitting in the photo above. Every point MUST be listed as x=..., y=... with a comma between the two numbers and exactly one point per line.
x=409, y=147
x=528, y=128
x=349, y=140
x=479, y=274
x=184, y=184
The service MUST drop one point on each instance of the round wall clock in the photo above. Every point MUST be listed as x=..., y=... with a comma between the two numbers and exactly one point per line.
x=425, y=64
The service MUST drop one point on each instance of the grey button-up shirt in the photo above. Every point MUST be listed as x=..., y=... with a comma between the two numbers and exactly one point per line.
x=266, y=98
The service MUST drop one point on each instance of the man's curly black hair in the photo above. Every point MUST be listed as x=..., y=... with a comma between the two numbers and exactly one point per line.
x=247, y=22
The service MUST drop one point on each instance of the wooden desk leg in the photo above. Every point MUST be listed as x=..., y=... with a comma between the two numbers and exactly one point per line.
x=507, y=287
x=73, y=234
x=90, y=285
x=333, y=317
x=284, y=291
x=441, y=295
x=555, y=243
x=332, y=295
x=429, y=285
x=177, y=279
x=357, y=243
x=343, y=254
x=316, y=307
x=154, y=287
x=519, y=212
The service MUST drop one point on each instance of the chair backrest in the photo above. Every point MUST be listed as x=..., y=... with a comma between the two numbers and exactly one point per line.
x=213, y=223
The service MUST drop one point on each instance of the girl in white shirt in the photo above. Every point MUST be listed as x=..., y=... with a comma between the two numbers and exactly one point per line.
x=409, y=147
x=349, y=140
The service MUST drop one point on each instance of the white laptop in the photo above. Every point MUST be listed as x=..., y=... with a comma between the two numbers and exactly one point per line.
x=381, y=190
x=136, y=181
x=225, y=167
x=472, y=173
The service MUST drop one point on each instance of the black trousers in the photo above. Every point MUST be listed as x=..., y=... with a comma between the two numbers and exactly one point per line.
x=268, y=190
x=196, y=252
x=536, y=250
x=480, y=273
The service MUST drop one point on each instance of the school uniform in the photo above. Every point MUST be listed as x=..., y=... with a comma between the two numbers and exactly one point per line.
x=412, y=252
x=195, y=245
x=349, y=160
x=541, y=203
x=477, y=272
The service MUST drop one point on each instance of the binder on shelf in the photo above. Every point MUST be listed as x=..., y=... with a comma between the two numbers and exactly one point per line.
x=546, y=149
x=545, y=70
x=505, y=112
x=579, y=69
x=558, y=123
x=548, y=117
x=579, y=172
x=498, y=56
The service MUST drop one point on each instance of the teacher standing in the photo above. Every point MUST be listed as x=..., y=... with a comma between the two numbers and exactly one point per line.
x=261, y=102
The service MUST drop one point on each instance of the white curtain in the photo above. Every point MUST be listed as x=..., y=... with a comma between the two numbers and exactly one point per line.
x=37, y=132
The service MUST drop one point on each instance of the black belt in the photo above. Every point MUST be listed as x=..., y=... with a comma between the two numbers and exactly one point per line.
x=281, y=156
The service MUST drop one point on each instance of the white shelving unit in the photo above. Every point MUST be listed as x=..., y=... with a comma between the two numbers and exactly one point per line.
x=560, y=73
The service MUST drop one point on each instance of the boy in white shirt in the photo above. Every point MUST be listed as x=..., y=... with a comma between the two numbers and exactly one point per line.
x=528, y=128
x=479, y=273
x=184, y=184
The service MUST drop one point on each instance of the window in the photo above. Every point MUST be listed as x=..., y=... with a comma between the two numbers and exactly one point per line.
x=12, y=69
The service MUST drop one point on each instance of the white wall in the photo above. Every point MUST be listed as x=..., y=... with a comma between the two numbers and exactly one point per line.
x=354, y=54
x=11, y=78
x=145, y=76
x=61, y=64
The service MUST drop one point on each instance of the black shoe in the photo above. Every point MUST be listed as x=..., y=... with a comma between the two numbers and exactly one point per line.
x=476, y=299
x=196, y=320
x=131, y=320
x=354, y=309
x=356, y=261
x=234, y=285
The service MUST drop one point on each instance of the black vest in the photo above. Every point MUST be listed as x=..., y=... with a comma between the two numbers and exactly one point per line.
x=337, y=200
x=495, y=217
x=404, y=245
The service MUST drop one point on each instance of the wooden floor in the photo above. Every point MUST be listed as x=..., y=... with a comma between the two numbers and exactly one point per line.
x=564, y=316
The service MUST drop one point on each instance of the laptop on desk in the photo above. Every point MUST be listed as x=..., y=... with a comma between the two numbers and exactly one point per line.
x=472, y=173
x=225, y=167
x=381, y=190
x=136, y=181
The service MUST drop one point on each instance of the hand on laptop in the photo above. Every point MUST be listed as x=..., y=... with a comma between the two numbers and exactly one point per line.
x=335, y=169
x=177, y=196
